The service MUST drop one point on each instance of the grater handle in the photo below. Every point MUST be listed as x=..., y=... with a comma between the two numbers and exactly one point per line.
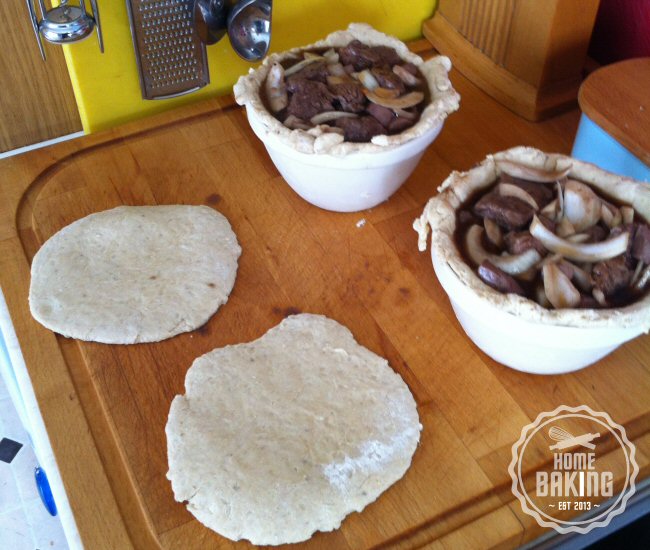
x=100, y=36
x=37, y=33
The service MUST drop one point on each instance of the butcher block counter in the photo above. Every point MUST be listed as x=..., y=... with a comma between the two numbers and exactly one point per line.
x=105, y=406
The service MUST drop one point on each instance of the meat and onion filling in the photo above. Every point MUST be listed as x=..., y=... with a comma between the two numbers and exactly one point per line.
x=555, y=240
x=359, y=91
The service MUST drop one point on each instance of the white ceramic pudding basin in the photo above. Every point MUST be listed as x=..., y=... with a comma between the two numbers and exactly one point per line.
x=524, y=345
x=347, y=183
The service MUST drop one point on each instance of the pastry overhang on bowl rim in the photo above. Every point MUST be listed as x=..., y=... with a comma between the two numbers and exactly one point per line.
x=444, y=99
x=439, y=216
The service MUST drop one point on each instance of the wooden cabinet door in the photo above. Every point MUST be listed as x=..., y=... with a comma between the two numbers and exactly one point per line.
x=36, y=98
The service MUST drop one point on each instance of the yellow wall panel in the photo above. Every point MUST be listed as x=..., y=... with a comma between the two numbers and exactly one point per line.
x=107, y=88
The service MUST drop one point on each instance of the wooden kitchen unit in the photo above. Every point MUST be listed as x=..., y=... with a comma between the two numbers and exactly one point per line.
x=105, y=406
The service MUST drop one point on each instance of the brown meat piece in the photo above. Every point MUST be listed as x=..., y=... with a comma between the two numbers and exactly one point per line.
x=364, y=57
x=641, y=243
x=611, y=276
x=349, y=96
x=388, y=79
x=596, y=234
x=310, y=99
x=314, y=71
x=541, y=192
x=508, y=212
x=499, y=280
x=383, y=114
x=360, y=129
x=399, y=124
x=519, y=241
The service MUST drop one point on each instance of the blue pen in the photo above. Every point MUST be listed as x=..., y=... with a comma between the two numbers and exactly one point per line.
x=44, y=490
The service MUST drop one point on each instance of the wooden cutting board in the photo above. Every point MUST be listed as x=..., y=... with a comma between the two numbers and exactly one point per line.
x=105, y=407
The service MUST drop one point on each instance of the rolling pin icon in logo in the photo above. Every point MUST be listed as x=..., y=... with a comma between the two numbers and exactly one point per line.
x=565, y=440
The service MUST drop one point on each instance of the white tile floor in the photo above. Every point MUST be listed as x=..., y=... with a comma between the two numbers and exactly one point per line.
x=25, y=524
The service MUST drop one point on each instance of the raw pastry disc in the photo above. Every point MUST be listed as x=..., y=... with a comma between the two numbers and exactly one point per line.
x=134, y=273
x=284, y=436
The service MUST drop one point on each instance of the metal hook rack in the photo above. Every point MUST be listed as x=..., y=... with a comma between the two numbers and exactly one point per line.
x=65, y=23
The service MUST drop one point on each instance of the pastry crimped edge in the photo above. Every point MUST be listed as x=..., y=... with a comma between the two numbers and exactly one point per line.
x=439, y=216
x=444, y=99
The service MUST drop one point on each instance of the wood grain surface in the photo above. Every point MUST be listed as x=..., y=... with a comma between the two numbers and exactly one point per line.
x=526, y=54
x=37, y=101
x=616, y=97
x=105, y=407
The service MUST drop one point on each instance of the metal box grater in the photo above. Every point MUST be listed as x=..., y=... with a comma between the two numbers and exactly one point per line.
x=171, y=58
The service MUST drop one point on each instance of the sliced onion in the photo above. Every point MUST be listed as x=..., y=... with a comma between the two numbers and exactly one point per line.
x=301, y=65
x=581, y=205
x=627, y=213
x=599, y=296
x=511, y=190
x=550, y=210
x=336, y=69
x=578, y=238
x=314, y=56
x=579, y=276
x=611, y=215
x=531, y=173
x=514, y=264
x=558, y=288
x=643, y=279
x=406, y=77
x=581, y=252
x=331, y=56
x=386, y=93
x=540, y=296
x=295, y=123
x=276, y=89
x=367, y=79
x=403, y=102
x=559, y=213
x=637, y=273
x=565, y=228
x=493, y=232
x=326, y=116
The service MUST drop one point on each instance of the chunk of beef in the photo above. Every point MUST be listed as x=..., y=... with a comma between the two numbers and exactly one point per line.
x=641, y=243
x=383, y=114
x=498, y=279
x=519, y=241
x=508, y=212
x=349, y=96
x=541, y=192
x=314, y=71
x=362, y=56
x=465, y=218
x=398, y=124
x=596, y=234
x=309, y=99
x=388, y=79
x=588, y=302
x=360, y=129
x=611, y=276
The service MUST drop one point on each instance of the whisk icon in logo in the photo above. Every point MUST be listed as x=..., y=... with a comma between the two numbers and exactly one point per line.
x=573, y=483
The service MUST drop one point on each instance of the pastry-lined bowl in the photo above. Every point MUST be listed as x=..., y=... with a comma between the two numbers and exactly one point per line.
x=514, y=330
x=345, y=176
